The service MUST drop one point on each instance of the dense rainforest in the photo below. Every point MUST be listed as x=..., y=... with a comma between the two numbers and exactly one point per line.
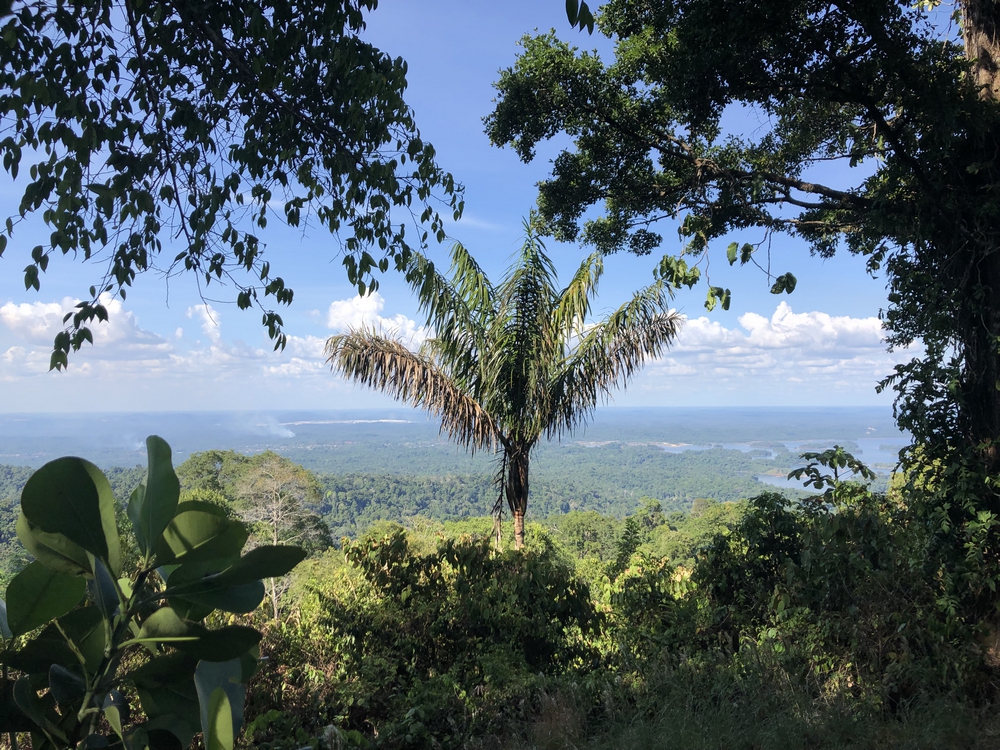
x=653, y=602
x=762, y=619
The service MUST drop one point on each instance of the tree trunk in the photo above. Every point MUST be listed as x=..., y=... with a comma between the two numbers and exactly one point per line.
x=979, y=32
x=981, y=377
x=517, y=489
x=980, y=387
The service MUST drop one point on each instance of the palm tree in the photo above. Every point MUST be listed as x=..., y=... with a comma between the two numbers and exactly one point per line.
x=510, y=363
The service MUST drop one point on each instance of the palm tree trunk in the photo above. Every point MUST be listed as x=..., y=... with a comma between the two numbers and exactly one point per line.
x=517, y=490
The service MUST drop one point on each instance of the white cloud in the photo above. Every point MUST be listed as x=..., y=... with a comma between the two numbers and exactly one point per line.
x=365, y=312
x=785, y=358
x=211, y=324
x=812, y=356
x=118, y=338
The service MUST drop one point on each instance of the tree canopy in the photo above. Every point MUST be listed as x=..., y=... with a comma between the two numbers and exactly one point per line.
x=140, y=125
x=887, y=85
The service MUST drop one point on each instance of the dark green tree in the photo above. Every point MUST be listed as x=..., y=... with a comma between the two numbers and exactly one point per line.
x=141, y=123
x=889, y=84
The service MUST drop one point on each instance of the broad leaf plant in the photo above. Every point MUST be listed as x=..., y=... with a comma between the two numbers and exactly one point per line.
x=85, y=637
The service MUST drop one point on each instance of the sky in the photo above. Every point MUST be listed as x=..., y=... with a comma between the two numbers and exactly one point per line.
x=171, y=346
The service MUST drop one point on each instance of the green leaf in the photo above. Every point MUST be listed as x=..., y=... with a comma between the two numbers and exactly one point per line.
x=12, y=718
x=212, y=677
x=219, y=730
x=134, y=512
x=115, y=710
x=4, y=627
x=199, y=531
x=732, y=252
x=157, y=502
x=267, y=561
x=236, y=599
x=39, y=594
x=54, y=550
x=27, y=701
x=573, y=11
x=784, y=283
x=746, y=252
x=164, y=670
x=85, y=629
x=41, y=652
x=71, y=496
x=222, y=644
x=67, y=687
x=102, y=590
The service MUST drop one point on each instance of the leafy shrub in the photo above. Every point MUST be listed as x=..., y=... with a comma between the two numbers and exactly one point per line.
x=431, y=649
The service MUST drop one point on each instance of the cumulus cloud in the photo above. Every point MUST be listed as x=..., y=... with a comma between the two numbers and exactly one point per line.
x=786, y=352
x=211, y=325
x=119, y=338
x=361, y=312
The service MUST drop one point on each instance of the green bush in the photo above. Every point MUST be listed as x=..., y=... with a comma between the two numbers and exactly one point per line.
x=431, y=649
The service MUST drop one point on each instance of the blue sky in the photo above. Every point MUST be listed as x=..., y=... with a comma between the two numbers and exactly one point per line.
x=165, y=348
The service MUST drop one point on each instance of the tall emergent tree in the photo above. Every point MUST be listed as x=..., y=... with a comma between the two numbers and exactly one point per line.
x=274, y=495
x=512, y=363
x=134, y=124
x=891, y=85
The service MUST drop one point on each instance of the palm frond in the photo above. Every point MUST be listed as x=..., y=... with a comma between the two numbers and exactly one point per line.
x=388, y=366
x=522, y=343
x=573, y=306
x=458, y=328
x=608, y=354
x=471, y=283
x=438, y=298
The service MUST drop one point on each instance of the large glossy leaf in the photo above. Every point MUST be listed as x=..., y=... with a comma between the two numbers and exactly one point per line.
x=164, y=670
x=116, y=712
x=235, y=599
x=102, y=590
x=171, y=707
x=261, y=562
x=55, y=551
x=71, y=496
x=12, y=718
x=198, y=532
x=167, y=726
x=134, y=512
x=41, y=652
x=27, y=700
x=209, y=679
x=219, y=730
x=4, y=627
x=164, y=626
x=85, y=628
x=39, y=594
x=67, y=687
x=156, y=504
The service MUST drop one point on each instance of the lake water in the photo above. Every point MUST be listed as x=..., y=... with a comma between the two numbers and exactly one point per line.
x=879, y=454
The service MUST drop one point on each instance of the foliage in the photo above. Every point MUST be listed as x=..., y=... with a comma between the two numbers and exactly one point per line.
x=881, y=84
x=143, y=122
x=87, y=635
x=510, y=363
x=841, y=584
x=432, y=649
